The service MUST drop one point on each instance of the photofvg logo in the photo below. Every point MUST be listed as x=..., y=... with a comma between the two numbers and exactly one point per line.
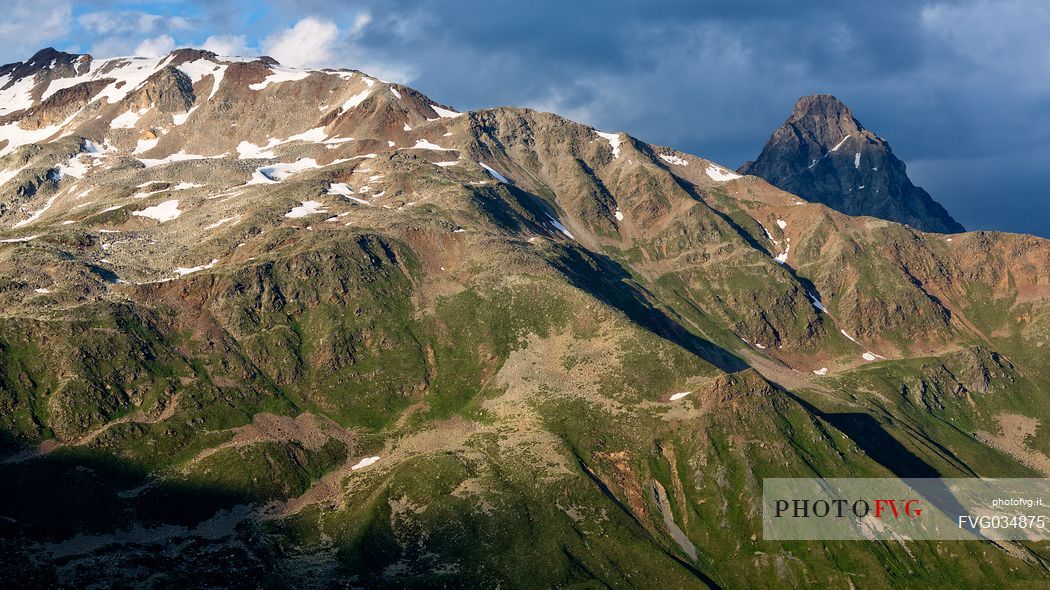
x=844, y=508
x=905, y=509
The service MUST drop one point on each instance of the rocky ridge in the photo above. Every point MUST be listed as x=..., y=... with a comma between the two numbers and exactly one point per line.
x=307, y=325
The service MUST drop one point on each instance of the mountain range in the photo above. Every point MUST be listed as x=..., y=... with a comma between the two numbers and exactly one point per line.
x=263, y=326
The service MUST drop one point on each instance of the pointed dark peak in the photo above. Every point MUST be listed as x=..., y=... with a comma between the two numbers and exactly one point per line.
x=824, y=154
x=46, y=58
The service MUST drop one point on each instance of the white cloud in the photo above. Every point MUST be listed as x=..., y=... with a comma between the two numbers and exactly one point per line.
x=228, y=45
x=318, y=42
x=132, y=32
x=105, y=22
x=557, y=101
x=311, y=42
x=28, y=25
x=360, y=22
x=156, y=46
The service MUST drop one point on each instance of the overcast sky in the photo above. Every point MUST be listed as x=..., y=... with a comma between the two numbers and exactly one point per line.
x=961, y=90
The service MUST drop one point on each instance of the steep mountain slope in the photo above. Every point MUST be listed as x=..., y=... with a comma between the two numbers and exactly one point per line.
x=274, y=327
x=825, y=155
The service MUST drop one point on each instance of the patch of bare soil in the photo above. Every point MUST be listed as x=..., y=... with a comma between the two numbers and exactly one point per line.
x=446, y=435
x=310, y=430
x=1015, y=429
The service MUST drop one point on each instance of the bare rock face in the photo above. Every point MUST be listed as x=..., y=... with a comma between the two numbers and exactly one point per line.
x=170, y=90
x=824, y=154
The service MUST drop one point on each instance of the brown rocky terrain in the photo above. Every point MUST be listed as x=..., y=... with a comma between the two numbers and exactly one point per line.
x=330, y=329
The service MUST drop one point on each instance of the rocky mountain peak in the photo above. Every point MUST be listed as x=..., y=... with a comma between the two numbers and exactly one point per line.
x=188, y=54
x=825, y=106
x=823, y=153
x=40, y=60
x=48, y=63
x=826, y=118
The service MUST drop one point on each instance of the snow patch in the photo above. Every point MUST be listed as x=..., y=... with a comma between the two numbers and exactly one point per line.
x=179, y=156
x=495, y=174
x=145, y=145
x=165, y=211
x=618, y=214
x=856, y=161
x=821, y=371
x=15, y=240
x=316, y=135
x=673, y=160
x=181, y=118
x=18, y=96
x=280, y=171
x=127, y=120
x=680, y=395
x=444, y=113
x=839, y=144
x=247, y=151
x=356, y=99
x=280, y=74
x=17, y=137
x=422, y=144
x=222, y=222
x=197, y=69
x=557, y=225
x=307, y=208
x=342, y=189
x=782, y=224
x=816, y=302
x=36, y=214
x=364, y=463
x=720, y=174
x=614, y=142
x=74, y=167
x=129, y=75
x=782, y=258
x=848, y=336
x=183, y=271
